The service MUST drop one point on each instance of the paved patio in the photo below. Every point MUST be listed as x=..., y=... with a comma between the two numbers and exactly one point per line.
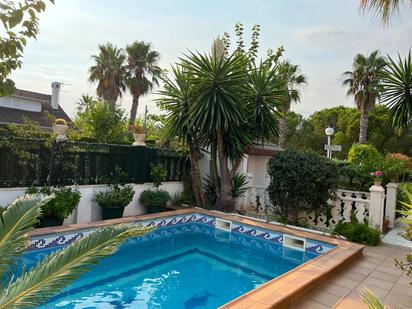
x=375, y=271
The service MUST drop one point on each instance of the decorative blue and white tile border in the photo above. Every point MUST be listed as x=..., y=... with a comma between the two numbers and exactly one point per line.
x=313, y=246
x=63, y=239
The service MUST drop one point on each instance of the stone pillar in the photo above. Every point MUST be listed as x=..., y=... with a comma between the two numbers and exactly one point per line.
x=376, y=206
x=391, y=199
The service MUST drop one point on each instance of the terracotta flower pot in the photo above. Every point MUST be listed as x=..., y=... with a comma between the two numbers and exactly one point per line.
x=378, y=182
x=139, y=139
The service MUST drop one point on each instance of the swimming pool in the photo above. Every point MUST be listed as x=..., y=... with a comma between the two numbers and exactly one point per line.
x=185, y=263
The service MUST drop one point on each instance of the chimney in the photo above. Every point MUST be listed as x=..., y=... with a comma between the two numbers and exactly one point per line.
x=55, y=94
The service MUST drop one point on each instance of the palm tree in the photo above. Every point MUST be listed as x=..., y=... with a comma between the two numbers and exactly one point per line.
x=109, y=72
x=51, y=275
x=397, y=91
x=384, y=9
x=84, y=103
x=364, y=83
x=143, y=72
x=176, y=99
x=293, y=81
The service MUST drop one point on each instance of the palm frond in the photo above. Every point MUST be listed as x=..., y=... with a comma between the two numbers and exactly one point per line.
x=15, y=223
x=371, y=300
x=62, y=267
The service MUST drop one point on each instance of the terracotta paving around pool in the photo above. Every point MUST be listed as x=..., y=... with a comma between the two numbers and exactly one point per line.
x=375, y=270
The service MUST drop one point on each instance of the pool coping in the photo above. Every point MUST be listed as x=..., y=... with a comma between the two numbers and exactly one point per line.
x=282, y=291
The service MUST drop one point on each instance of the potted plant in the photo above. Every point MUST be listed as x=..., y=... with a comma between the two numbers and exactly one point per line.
x=59, y=208
x=114, y=200
x=156, y=200
x=60, y=127
x=377, y=177
x=139, y=135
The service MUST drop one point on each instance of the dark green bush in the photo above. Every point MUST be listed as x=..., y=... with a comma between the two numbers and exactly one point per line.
x=300, y=181
x=115, y=196
x=62, y=205
x=358, y=232
x=354, y=177
x=154, y=198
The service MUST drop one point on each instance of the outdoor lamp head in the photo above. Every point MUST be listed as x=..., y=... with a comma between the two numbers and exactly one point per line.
x=329, y=131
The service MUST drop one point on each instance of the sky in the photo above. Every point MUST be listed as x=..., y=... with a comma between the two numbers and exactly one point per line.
x=321, y=36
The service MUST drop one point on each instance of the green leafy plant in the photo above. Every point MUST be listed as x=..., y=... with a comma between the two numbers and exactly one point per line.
x=64, y=201
x=20, y=22
x=155, y=198
x=57, y=270
x=366, y=156
x=358, y=232
x=159, y=174
x=407, y=213
x=115, y=196
x=300, y=181
x=396, y=165
x=397, y=85
x=239, y=185
x=354, y=177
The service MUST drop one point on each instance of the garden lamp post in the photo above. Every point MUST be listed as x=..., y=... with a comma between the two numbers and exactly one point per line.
x=329, y=132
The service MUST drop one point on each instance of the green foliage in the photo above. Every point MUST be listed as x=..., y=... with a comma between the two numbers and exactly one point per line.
x=397, y=91
x=239, y=185
x=358, y=232
x=371, y=300
x=115, y=196
x=57, y=270
x=309, y=133
x=396, y=165
x=159, y=174
x=354, y=177
x=300, y=181
x=62, y=203
x=20, y=23
x=105, y=122
x=403, y=194
x=366, y=156
x=155, y=198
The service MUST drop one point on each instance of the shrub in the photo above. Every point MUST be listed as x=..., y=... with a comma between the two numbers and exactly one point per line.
x=2, y=209
x=300, y=181
x=62, y=205
x=354, y=177
x=396, y=166
x=159, y=174
x=155, y=198
x=358, y=232
x=366, y=156
x=115, y=196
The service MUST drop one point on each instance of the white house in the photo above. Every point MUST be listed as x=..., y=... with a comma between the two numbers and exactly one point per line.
x=33, y=106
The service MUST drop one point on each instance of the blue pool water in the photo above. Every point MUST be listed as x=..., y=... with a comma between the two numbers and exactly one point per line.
x=186, y=266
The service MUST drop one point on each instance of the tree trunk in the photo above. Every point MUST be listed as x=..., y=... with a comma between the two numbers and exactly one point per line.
x=200, y=198
x=283, y=125
x=214, y=174
x=133, y=110
x=226, y=199
x=282, y=131
x=235, y=167
x=363, y=126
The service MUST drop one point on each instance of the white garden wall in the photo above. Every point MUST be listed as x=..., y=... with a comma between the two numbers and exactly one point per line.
x=87, y=210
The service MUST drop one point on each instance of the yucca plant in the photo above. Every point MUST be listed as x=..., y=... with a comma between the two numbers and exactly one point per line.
x=371, y=300
x=397, y=90
x=51, y=275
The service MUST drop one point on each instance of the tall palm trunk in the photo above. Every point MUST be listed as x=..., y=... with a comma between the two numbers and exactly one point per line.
x=133, y=110
x=283, y=125
x=226, y=199
x=200, y=198
x=363, y=125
